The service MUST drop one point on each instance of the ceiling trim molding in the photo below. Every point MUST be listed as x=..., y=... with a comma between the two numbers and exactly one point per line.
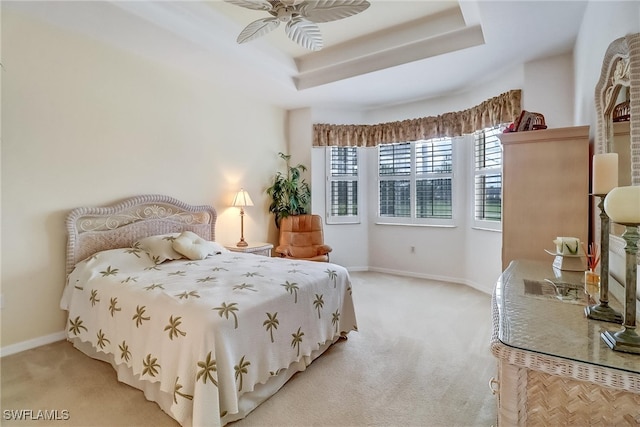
x=390, y=38
x=422, y=49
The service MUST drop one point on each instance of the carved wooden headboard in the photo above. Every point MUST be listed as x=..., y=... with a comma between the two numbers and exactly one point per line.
x=119, y=225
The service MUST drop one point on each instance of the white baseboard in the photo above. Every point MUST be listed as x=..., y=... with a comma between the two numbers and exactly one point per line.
x=350, y=269
x=33, y=343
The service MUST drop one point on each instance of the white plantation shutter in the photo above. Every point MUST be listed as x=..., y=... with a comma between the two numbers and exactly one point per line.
x=433, y=178
x=415, y=181
x=342, y=185
x=488, y=176
x=394, y=168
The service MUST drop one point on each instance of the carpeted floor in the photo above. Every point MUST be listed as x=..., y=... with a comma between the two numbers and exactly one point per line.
x=420, y=358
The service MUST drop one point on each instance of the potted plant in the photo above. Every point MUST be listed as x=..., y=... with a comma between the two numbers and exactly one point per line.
x=290, y=193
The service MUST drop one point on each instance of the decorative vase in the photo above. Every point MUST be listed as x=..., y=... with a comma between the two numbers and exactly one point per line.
x=591, y=284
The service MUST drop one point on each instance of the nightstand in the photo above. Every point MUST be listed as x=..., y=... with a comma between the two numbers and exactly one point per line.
x=258, y=248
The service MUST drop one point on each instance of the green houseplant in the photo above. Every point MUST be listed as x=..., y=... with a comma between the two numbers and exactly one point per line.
x=290, y=193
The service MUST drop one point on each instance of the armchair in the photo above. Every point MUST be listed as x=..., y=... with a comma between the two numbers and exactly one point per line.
x=301, y=237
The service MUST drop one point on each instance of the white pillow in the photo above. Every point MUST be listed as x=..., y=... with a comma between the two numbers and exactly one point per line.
x=194, y=247
x=160, y=247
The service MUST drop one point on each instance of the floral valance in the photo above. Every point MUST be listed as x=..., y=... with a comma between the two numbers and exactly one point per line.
x=500, y=109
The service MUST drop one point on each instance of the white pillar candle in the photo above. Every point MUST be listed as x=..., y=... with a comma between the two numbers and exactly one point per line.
x=604, y=173
x=622, y=204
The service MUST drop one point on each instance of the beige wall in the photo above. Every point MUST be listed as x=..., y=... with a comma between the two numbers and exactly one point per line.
x=548, y=89
x=84, y=124
x=603, y=23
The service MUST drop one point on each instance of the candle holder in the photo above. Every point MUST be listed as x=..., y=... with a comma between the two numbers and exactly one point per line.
x=627, y=339
x=602, y=310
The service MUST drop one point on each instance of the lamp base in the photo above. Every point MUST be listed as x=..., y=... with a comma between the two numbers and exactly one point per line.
x=603, y=312
x=242, y=244
x=626, y=340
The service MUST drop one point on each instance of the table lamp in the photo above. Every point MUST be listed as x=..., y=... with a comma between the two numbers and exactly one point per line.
x=623, y=207
x=241, y=200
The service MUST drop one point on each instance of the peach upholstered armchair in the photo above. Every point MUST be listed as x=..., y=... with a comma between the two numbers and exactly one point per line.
x=301, y=237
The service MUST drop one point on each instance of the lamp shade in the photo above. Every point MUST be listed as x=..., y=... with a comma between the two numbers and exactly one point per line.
x=622, y=204
x=242, y=199
x=605, y=173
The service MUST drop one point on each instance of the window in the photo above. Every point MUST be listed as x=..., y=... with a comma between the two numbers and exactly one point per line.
x=342, y=185
x=488, y=178
x=415, y=181
x=394, y=169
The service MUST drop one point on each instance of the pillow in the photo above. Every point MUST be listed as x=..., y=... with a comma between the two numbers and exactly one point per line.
x=159, y=247
x=194, y=247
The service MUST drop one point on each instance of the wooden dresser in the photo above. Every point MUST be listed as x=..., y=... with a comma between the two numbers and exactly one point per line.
x=545, y=190
x=553, y=367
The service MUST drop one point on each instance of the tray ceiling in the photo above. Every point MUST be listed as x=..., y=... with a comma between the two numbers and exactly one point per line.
x=395, y=51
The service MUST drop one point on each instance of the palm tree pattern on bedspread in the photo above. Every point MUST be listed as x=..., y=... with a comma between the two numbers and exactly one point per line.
x=185, y=323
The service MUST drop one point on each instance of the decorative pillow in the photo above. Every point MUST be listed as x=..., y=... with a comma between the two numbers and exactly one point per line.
x=194, y=247
x=160, y=247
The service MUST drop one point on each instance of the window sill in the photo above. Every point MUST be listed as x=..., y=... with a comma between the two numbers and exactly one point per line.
x=495, y=230
x=343, y=222
x=416, y=225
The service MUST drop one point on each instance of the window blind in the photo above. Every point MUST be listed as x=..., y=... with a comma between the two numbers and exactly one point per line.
x=415, y=179
x=488, y=175
x=342, y=188
x=395, y=159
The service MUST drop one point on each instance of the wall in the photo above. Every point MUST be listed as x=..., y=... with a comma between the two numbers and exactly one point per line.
x=548, y=89
x=85, y=124
x=462, y=254
x=511, y=78
x=602, y=24
x=67, y=98
x=350, y=242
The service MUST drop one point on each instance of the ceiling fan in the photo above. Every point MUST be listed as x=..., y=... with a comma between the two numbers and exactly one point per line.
x=300, y=16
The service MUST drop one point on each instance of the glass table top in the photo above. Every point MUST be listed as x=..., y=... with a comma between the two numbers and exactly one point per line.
x=541, y=309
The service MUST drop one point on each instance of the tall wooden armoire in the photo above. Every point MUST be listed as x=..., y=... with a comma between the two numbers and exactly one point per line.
x=545, y=191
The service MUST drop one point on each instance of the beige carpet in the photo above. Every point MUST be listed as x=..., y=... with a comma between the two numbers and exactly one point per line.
x=421, y=358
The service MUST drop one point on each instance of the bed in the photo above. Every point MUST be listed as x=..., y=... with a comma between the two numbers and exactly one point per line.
x=207, y=339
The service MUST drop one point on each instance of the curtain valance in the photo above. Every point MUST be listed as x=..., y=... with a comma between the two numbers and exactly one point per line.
x=500, y=109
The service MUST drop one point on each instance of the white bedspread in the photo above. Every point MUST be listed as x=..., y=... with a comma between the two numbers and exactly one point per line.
x=207, y=331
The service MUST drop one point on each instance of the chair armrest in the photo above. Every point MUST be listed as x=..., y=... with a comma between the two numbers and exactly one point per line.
x=283, y=251
x=324, y=249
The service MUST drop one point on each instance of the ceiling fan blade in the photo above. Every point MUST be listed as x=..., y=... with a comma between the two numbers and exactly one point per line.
x=331, y=10
x=258, y=28
x=305, y=33
x=251, y=4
